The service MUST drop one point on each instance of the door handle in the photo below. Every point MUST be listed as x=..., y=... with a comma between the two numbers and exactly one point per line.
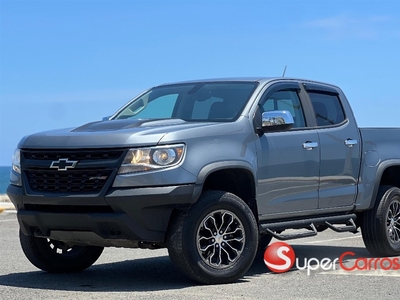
x=310, y=145
x=350, y=142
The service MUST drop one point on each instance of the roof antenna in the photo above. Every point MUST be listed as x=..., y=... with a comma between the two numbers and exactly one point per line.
x=284, y=71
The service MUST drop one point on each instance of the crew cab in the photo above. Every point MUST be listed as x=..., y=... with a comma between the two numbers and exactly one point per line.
x=211, y=170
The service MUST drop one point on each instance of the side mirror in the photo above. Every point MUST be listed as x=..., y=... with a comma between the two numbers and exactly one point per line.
x=276, y=120
x=106, y=118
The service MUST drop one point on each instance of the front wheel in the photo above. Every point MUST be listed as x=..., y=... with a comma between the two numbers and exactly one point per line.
x=380, y=226
x=57, y=257
x=215, y=241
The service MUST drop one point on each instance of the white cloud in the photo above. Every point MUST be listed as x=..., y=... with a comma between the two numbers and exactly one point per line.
x=345, y=26
x=332, y=23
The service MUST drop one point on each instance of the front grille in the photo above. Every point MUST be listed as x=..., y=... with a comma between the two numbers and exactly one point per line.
x=73, y=171
x=72, y=154
x=67, y=182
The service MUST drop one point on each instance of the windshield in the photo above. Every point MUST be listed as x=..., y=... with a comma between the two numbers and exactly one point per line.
x=205, y=101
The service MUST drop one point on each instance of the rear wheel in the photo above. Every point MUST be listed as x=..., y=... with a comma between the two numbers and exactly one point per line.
x=57, y=257
x=380, y=226
x=215, y=241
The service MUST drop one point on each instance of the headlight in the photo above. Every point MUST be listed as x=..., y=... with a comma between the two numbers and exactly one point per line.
x=152, y=158
x=16, y=161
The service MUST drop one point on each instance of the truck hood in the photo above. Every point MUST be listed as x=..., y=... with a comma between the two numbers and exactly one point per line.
x=108, y=134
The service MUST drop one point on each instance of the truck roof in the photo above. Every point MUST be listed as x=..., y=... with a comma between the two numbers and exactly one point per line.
x=248, y=79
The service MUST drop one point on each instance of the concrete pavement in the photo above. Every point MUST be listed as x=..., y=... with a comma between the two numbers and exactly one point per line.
x=6, y=206
x=5, y=203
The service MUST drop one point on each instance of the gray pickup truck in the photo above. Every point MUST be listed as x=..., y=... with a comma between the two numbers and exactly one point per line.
x=211, y=170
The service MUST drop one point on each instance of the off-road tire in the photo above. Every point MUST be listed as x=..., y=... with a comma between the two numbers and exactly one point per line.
x=56, y=257
x=208, y=256
x=380, y=226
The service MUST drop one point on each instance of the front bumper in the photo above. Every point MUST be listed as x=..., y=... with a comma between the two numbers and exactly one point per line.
x=136, y=217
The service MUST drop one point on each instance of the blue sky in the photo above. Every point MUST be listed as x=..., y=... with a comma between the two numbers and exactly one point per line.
x=66, y=63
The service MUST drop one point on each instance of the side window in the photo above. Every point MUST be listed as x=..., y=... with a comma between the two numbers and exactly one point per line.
x=286, y=100
x=327, y=108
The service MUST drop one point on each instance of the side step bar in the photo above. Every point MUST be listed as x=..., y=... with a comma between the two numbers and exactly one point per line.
x=285, y=237
x=273, y=228
x=351, y=227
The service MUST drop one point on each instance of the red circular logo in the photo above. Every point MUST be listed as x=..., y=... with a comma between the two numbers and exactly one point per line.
x=279, y=257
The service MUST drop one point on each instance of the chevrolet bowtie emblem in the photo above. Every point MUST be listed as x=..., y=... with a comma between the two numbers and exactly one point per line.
x=63, y=164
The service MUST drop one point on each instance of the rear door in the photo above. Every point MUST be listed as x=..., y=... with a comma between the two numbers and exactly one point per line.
x=339, y=147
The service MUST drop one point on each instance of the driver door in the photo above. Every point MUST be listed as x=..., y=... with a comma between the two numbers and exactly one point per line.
x=288, y=161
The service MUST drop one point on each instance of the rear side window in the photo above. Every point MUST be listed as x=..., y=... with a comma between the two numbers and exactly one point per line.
x=327, y=108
